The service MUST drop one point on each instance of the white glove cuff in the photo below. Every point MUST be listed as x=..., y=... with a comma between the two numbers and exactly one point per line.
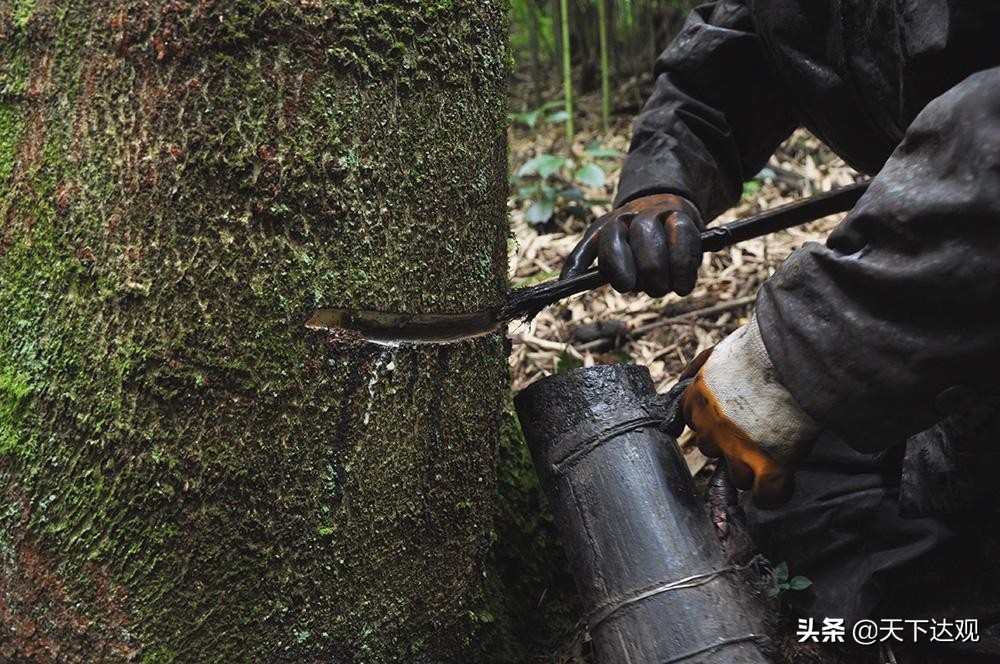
x=740, y=376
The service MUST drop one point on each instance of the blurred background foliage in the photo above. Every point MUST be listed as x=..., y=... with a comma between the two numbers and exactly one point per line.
x=636, y=31
x=580, y=64
x=561, y=179
x=590, y=61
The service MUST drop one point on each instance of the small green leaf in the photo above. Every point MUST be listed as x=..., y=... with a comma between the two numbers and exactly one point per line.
x=480, y=616
x=590, y=175
x=623, y=357
x=799, y=583
x=529, y=167
x=750, y=188
x=566, y=362
x=528, y=119
x=531, y=118
x=542, y=165
x=773, y=592
x=781, y=572
x=604, y=153
x=558, y=117
x=540, y=212
x=553, y=165
x=572, y=194
x=551, y=105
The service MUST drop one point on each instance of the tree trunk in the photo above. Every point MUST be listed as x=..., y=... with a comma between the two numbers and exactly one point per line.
x=186, y=472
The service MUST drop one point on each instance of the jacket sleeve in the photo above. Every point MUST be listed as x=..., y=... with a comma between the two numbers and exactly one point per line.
x=895, y=322
x=715, y=117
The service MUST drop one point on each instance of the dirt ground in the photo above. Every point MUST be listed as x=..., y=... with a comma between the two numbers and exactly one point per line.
x=659, y=333
x=662, y=334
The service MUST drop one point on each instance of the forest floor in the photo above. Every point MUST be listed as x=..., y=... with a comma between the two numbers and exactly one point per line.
x=662, y=334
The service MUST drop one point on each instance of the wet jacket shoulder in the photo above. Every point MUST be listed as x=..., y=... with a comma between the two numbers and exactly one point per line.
x=742, y=74
x=715, y=116
x=895, y=322
x=888, y=328
x=862, y=70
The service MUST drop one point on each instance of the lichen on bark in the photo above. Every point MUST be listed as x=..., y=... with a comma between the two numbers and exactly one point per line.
x=187, y=474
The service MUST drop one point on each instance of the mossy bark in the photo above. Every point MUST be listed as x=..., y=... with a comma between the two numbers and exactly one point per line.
x=187, y=473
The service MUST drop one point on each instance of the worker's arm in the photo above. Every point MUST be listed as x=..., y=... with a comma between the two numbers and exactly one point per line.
x=895, y=322
x=716, y=115
x=891, y=326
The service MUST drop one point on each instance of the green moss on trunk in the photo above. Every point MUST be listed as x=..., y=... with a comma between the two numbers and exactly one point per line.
x=534, y=599
x=187, y=474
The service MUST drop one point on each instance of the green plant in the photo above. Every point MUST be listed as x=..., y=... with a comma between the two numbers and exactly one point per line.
x=751, y=187
x=781, y=583
x=553, y=112
x=531, y=31
x=602, y=27
x=567, y=67
x=566, y=362
x=549, y=182
x=480, y=616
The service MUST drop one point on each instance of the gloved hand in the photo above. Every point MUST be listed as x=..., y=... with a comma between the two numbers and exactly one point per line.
x=651, y=244
x=737, y=408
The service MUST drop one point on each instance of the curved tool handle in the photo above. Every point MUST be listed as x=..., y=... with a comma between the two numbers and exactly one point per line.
x=529, y=301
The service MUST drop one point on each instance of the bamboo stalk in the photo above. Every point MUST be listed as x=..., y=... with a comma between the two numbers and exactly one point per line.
x=567, y=72
x=602, y=19
x=534, y=43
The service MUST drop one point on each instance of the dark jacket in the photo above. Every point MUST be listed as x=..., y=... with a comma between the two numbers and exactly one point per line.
x=894, y=324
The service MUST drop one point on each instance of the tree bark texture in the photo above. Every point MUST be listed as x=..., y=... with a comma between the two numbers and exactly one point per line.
x=186, y=473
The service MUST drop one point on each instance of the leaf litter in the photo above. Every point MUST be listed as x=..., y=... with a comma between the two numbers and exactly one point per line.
x=662, y=334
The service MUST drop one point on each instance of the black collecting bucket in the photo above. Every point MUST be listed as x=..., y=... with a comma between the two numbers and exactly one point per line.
x=654, y=580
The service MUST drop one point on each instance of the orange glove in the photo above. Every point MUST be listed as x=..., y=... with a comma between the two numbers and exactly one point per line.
x=737, y=408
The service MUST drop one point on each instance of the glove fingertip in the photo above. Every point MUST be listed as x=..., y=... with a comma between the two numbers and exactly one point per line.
x=685, y=254
x=772, y=491
x=708, y=448
x=696, y=364
x=580, y=258
x=568, y=271
x=682, y=288
x=622, y=283
x=615, y=258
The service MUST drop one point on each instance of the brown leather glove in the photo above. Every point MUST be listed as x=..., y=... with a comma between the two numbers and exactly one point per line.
x=738, y=409
x=651, y=244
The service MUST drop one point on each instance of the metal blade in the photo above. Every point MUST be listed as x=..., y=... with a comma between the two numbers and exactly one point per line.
x=399, y=328
x=393, y=328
